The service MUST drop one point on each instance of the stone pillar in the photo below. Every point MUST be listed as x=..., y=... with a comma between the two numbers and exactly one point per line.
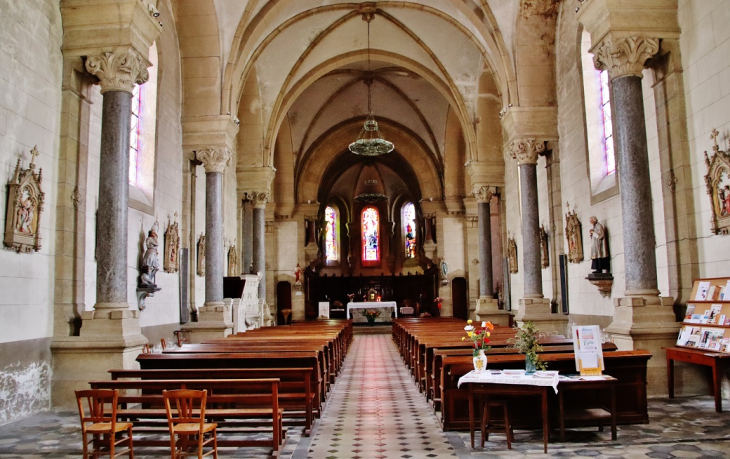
x=247, y=244
x=534, y=307
x=642, y=319
x=258, y=202
x=214, y=318
x=110, y=335
x=487, y=307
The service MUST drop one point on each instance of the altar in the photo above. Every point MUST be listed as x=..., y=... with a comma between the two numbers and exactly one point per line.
x=386, y=308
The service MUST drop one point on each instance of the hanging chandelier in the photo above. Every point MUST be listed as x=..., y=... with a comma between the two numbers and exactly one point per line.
x=370, y=142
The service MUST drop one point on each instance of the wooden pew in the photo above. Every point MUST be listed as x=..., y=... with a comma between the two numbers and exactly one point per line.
x=235, y=404
x=296, y=391
x=301, y=359
x=629, y=367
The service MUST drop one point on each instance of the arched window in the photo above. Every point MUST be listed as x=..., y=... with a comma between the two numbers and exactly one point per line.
x=409, y=229
x=599, y=125
x=331, y=234
x=370, y=236
x=143, y=139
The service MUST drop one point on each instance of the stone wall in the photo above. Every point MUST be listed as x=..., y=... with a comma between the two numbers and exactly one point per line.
x=705, y=47
x=30, y=101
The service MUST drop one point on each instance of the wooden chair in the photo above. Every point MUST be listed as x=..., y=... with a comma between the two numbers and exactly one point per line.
x=187, y=420
x=99, y=418
x=286, y=313
x=163, y=343
x=182, y=336
x=488, y=427
x=146, y=349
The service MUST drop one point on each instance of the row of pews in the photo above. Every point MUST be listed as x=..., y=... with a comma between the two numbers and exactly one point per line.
x=437, y=357
x=258, y=381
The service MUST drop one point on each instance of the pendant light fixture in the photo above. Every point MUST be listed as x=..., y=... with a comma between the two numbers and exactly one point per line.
x=370, y=142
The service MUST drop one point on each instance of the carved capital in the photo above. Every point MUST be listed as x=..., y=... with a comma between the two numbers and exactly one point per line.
x=118, y=71
x=214, y=159
x=624, y=56
x=526, y=151
x=258, y=199
x=484, y=193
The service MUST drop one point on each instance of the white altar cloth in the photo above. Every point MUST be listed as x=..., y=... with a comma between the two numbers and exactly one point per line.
x=372, y=305
x=539, y=378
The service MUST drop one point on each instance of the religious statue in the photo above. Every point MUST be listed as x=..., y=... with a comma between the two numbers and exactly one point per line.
x=232, y=260
x=25, y=204
x=201, y=255
x=573, y=233
x=444, y=267
x=599, y=247
x=512, y=255
x=150, y=263
x=172, y=248
x=717, y=182
x=544, y=256
x=298, y=275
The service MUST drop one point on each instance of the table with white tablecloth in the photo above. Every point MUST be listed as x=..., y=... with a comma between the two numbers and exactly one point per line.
x=386, y=309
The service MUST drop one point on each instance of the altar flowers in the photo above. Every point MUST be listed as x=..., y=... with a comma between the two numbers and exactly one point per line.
x=478, y=336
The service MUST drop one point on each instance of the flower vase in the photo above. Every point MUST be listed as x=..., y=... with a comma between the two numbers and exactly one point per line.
x=530, y=367
x=480, y=361
x=371, y=320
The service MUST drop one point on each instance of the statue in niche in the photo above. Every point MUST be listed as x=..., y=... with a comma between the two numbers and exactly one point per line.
x=298, y=275
x=512, y=255
x=717, y=181
x=544, y=256
x=25, y=204
x=599, y=247
x=150, y=263
x=172, y=248
x=201, y=255
x=232, y=260
x=444, y=268
x=573, y=233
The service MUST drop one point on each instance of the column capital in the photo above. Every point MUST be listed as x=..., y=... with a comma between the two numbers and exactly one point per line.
x=258, y=199
x=118, y=70
x=214, y=159
x=526, y=150
x=624, y=56
x=483, y=194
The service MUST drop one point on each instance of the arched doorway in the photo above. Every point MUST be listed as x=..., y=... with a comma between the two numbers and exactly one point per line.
x=459, y=298
x=283, y=301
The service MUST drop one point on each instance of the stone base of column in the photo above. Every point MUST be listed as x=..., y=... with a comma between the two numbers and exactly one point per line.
x=488, y=309
x=537, y=311
x=110, y=338
x=648, y=323
x=297, y=307
x=214, y=322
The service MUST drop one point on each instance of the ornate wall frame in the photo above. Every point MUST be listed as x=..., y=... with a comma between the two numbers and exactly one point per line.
x=717, y=181
x=512, y=255
x=172, y=248
x=24, y=208
x=573, y=230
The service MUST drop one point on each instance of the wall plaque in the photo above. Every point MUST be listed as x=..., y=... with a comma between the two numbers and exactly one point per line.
x=25, y=205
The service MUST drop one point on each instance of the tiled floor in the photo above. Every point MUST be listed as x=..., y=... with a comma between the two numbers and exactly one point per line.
x=375, y=411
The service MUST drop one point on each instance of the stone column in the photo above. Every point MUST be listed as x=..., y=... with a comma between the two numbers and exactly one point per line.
x=214, y=318
x=258, y=202
x=642, y=318
x=534, y=307
x=487, y=307
x=110, y=335
x=247, y=244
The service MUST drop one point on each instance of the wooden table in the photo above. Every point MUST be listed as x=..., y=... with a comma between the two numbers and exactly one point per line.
x=715, y=360
x=586, y=415
x=484, y=388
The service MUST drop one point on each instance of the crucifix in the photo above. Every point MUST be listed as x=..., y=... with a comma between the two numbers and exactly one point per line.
x=713, y=136
x=34, y=152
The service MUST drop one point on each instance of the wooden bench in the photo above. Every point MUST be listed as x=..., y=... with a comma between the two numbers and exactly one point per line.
x=237, y=405
x=296, y=391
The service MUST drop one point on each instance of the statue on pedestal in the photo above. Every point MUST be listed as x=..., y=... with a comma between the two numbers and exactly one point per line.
x=150, y=263
x=599, y=247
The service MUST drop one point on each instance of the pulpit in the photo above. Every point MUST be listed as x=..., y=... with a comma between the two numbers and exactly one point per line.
x=247, y=313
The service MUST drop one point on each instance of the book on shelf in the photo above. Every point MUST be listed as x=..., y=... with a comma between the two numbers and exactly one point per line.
x=688, y=313
x=702, y=289
x=714, y=313
x=710, y=338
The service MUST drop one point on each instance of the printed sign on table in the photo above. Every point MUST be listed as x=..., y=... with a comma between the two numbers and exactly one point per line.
x=588, y=350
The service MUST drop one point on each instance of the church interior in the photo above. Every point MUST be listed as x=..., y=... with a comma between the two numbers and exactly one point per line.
x=179, y=171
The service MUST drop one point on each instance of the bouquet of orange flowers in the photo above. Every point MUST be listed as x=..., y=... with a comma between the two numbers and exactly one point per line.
x=479, y=336
x=371, y=314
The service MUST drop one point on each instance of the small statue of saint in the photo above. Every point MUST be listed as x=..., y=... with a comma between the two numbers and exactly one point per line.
x=599, y=247
x=150, y=263
x=297, y=275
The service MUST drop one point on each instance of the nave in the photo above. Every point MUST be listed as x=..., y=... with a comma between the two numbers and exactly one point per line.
x=375, y=411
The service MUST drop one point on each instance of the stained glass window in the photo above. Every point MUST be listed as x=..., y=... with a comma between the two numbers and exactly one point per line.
x=134, y=147
x=370, y=238
x=330, y=243
x=607, y=124
x=409, y=228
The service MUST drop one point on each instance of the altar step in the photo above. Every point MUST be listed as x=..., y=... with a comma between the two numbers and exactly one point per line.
x=365, y=329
